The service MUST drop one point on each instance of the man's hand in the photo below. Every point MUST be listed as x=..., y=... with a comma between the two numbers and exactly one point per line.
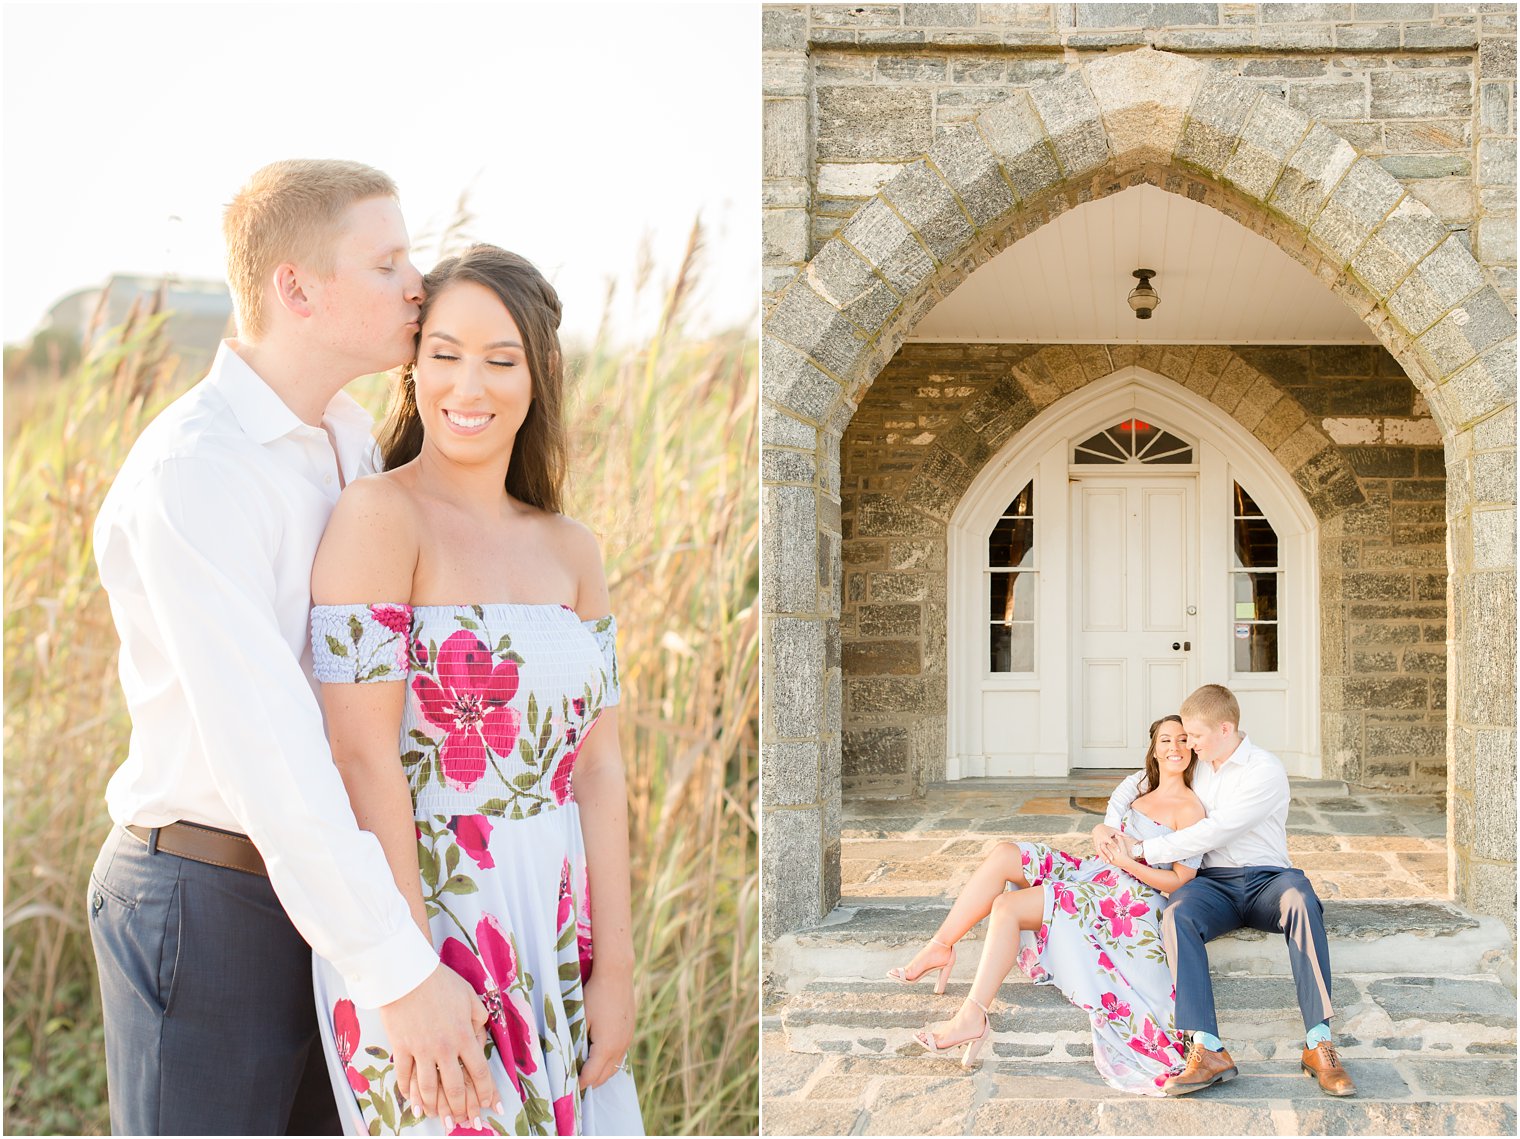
x=609, y=1024
x=437, y=1034
x=1101, y=834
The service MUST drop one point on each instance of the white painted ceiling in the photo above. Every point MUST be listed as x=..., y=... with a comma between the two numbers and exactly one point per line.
x=1067, y=282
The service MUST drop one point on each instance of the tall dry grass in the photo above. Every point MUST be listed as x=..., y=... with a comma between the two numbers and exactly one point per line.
x=664, y=471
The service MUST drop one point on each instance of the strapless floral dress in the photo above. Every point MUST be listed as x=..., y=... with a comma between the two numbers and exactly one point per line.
x=499, y=699
x=1100, y=944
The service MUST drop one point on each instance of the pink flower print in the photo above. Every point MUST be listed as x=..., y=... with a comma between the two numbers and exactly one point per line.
x=1119, y=914
x=473, y=833
x=1116, y=1009
x=564, y=1115
x=561, y=786
x=1105, y=878
x=579, y=704
x=566, y=900
x=1042, y=937
x=466, y=1129
x=1064, y=898
x=1152, y=1042
x=346, y=1040
x=583, y=930
x=471, y=706
x=491, y=975
x=1029, y=962
x=396, y=618
x=1024, y=858
x=1107, y=962
x=1046, y=865
x=419, y=653
x=1072, y=860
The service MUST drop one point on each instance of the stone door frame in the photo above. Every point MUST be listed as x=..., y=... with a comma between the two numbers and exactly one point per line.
x=1089, y=408
x=1112, y=122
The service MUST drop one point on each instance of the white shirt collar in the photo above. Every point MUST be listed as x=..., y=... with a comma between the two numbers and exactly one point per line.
x=261, y=413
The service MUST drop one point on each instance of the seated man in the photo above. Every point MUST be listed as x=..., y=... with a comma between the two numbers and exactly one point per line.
x=1246, y=880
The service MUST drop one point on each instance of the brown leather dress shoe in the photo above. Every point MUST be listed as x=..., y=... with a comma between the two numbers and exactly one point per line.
x=1323, y=1064
x=1205, y=1068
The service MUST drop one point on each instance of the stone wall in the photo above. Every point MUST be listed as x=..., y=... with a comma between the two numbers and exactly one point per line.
x=1425, y=89
x=1373, y=472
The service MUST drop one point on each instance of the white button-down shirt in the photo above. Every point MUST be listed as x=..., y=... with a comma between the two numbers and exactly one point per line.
x=1247, y=804
x=205, y=545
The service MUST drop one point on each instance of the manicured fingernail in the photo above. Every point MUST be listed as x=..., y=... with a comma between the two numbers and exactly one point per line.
x=448, y=1122
x=475, y=1123
x=501, y=1108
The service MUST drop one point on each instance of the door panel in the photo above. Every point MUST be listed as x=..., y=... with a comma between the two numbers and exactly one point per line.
x=1135, y=553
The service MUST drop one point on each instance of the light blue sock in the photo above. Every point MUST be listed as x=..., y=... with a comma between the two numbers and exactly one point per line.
x=1317, y=1035
x=1210, y=1041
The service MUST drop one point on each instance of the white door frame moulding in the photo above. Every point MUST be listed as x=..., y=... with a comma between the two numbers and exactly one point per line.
x=1041, y=451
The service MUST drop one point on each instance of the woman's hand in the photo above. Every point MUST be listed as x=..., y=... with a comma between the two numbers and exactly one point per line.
x=609, y=1023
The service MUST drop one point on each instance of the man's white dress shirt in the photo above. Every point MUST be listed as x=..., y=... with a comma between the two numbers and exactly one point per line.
x=205, y=546
x=1247, y=804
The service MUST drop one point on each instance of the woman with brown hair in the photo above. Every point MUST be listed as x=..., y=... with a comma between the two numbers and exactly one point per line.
x=458, y=612
x=1096, y=932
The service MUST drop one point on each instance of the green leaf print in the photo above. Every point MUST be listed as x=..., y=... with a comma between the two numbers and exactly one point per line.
x=459, y=884
x=566, y=937
x=525, y=780
x=498, y=1127
x=386, y=1109
x=378, y=670
x=549, y=1014
x=543, y=735
x=522, y=1123
x=478, y=611
x=410, y=759
x=420, y=738
x=355, y=629
x=503, y=644
x=374, y=1126
x=427, y=862
x=570, y=971
x=516, y=656
x=336, y=647
x=525, y=751
x=532, y=712
x=494, y=807
x=451, y=860
x=377, y=1052
x=466, y=623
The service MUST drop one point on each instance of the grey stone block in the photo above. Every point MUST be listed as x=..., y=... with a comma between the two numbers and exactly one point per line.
x=1480, y=388
x=1367, y=37
x=1452, y=341
x=1358, y=206
x=793, y=382
x=792, y=870
x=1304, y=13
x=1145, y=15
x=972, y=171
x=1418, y=37
x=1272, y=132
x=784, y=141
x=783, y=29
x=1310, y=176
x=901, y=118
x=1446, y=276
x=1406, y=236
x=875, y=751
x=880, y=236
x=1485, y=686
x=789, y=774
x=1073, y=123
x=1495, y=835
x=1496, y=162
x=1330, y=100
x=1215, y=121
x=1297, y=37
x=810, y=324
x=1015, y=134
x=1421, y=95
x=847, y=281
x=1451, y=999
x=1496, y=57
x=793, y=653
x=928, y=206
x=939, y=15
x=1416, y=166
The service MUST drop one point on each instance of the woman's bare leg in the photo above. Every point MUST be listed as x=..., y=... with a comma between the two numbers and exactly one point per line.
x=1020, y=910
x=1002, y=865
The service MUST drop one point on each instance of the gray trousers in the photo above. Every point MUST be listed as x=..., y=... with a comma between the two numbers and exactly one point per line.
x=211, y=1028
x=1225, y=898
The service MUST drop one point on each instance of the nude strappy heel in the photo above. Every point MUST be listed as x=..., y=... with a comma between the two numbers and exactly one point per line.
x=900, y=975
x=973, y=1045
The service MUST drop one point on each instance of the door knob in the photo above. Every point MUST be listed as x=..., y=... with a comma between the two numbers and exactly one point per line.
x=1185, y=646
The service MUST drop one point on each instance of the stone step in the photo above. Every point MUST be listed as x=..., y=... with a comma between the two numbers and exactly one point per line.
x=1407, y=1095
x=864, y=937
x=1259, y=1019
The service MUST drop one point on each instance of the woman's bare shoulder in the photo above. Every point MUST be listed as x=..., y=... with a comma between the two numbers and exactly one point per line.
x=581, y=555
x=1190, y=810
x=369, y=551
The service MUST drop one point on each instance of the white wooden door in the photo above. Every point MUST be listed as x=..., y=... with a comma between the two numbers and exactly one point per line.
x=1133, y=598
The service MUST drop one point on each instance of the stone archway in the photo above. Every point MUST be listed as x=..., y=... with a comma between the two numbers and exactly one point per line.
x=1117, y=121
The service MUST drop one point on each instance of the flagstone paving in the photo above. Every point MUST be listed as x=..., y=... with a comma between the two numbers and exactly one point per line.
x=1428, y=1023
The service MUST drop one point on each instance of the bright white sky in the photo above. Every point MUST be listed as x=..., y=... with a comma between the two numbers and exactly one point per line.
x=578, y=129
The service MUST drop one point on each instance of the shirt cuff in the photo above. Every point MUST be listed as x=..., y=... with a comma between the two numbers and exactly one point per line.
x=389, y=971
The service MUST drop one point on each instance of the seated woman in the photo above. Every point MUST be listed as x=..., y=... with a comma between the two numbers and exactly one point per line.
x=1097, y=932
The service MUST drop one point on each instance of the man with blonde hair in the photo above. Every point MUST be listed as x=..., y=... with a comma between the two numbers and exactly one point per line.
x=235, y=845
x=1247, y=879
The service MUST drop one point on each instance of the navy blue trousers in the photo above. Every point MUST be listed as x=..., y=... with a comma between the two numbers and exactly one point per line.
x=1225, y=898
x=210, y=1023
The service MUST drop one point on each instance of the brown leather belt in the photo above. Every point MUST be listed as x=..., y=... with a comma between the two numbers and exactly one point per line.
x=203, y=844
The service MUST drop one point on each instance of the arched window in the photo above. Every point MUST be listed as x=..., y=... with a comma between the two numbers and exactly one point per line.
x=1133, y=441
x=1254, y=573
x=1011, y=586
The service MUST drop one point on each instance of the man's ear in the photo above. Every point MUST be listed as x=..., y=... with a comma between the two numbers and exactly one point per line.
x=290, y=289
